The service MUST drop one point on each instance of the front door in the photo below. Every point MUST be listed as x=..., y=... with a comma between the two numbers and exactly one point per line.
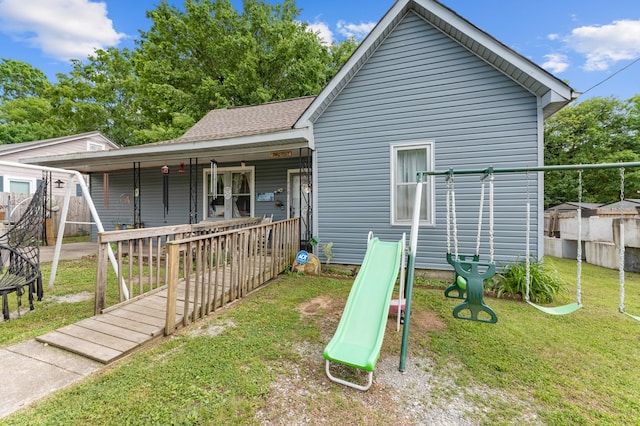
x=299, y=200
x=233, y=198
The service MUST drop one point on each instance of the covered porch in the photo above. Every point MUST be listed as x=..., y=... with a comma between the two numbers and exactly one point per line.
x=234, y=163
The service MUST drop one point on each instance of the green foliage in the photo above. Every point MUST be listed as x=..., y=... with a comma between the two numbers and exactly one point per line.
x=327, y=251
x=598, y=130
x=544, y=285
x=21, y=80
x=202, y=56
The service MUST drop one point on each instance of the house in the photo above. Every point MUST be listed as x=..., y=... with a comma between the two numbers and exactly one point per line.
x=18, y=184
x=19, y=180
x=426, y=90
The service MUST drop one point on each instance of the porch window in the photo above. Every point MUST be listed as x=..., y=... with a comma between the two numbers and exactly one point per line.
x=406, y=161
x=234, y=196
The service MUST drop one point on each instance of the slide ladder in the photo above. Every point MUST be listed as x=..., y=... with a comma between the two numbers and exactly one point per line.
x=358, y=338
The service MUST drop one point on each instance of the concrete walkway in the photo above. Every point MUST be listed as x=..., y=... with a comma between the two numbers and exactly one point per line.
x=32, y=370
x=68, y=251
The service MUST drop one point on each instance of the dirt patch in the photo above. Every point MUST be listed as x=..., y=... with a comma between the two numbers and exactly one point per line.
x=71, y=298
x=423, y=394
x=312, y=306
x=211, y=329
x=427, y=321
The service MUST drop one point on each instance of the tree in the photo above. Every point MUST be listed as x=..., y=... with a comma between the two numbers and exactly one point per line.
x=210, y=56
x=100, y=94
x=21, y=80
x=598, y=130
x=25, y=112
x=192, y=60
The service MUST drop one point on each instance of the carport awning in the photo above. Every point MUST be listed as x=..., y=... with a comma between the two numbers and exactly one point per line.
x=245, y=148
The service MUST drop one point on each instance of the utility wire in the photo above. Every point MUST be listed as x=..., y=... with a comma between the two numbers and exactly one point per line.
x=612, y=75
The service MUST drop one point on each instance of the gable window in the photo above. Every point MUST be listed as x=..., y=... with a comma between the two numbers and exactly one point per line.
x=95, y=146
x=234, y=194
x=406, y=161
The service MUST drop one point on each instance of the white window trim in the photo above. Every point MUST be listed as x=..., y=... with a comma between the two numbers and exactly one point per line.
x=95, y=146
x=429, y=187
x=8, y=179
x=206, y=171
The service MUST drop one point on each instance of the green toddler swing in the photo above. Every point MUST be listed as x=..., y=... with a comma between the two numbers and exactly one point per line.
x=470, y=272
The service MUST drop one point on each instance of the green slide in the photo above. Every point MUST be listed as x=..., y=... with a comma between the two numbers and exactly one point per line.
x=359, y=335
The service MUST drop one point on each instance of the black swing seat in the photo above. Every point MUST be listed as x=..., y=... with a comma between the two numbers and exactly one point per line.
x=20, y=255
x=475, y=273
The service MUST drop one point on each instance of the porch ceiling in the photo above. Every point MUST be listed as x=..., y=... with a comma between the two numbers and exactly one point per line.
x=251, y=148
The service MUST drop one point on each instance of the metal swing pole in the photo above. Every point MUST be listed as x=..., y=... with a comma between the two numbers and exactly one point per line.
x=92, y=209
x=413, y=245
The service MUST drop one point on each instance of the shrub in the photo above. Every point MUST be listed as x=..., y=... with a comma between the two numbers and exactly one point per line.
x=544, y=286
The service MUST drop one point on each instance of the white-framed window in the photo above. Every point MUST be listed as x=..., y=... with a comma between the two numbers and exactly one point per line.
x=20, y=186
x=407, y=160
x=235, y=193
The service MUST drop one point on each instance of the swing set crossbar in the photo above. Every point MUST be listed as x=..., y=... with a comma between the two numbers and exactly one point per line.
x=492, y=170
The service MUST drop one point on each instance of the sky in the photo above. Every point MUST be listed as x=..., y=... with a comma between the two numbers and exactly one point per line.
x=584, y=42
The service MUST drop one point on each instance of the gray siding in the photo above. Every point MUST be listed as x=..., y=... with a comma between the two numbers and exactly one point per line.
x=270, y=175
x=421, y=85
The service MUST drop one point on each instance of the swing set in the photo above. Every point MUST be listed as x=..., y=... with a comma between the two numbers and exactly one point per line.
x=469, y=280
x=471, y=272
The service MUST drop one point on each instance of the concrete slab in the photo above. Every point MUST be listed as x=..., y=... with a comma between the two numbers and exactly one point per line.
x=69, y=251
x=32, y=371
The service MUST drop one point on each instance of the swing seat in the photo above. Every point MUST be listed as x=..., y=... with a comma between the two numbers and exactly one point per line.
x=557, y=310
x=475, y=273
x=454, y=291
x=635, y=317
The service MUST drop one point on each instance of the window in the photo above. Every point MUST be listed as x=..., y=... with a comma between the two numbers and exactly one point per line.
x=234, y=196
x=406, y=161
x=95, y=146
x=20, y=186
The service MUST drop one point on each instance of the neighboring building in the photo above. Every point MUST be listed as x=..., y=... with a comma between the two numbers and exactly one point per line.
x=24, y=181
x=426, y=90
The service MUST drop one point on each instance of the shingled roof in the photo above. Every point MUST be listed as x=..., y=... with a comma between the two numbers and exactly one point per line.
x=247, y=120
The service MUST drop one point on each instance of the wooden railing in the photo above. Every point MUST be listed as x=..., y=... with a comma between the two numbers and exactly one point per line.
x=141, y=258
x=207, y=272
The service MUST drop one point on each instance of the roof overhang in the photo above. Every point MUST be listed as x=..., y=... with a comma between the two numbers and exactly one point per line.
x=246, y=148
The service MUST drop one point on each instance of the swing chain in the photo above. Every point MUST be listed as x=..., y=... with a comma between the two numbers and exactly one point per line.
x=621, y=183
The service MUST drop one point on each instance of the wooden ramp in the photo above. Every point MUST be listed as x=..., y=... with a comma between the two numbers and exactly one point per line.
x=120, y=330
x=129, y=325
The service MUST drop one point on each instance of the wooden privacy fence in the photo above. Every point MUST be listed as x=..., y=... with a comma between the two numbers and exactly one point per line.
x=141, y=257
x=206, y=272
x=77, y=217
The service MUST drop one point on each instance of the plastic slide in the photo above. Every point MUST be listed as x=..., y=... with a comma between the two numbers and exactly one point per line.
x=358, y=338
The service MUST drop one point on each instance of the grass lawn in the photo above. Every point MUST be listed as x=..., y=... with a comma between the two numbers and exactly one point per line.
x=260, y=361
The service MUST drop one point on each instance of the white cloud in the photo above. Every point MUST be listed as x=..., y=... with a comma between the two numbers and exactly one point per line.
x=357, y=31
x=556, y=62
x=321, y=29
x=553, y=36
x=63, y=29
x=605, y=45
